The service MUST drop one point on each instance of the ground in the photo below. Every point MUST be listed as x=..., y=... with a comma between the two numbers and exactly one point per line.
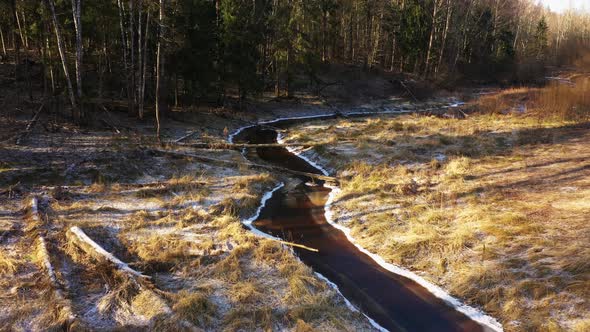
x=492, y=206
x=174, y=220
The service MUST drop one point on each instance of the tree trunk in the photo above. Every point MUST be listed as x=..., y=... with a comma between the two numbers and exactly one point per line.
x=431, y=39
x=62, y=55
x=20, y=29
x=16, y=47
x=77, y=12
x=324, y=28
x=125, y=61
x=368, y=37
x=350, y=37
x=277, y=78
x=139, y=59
x=377, y=39
x=3, y=45
x=132, y=56
x=393, y=47
x=159, y=65
x=26, y=35
x=288, y=80
x=50, y=60
x=445, y=33
x=144, y=69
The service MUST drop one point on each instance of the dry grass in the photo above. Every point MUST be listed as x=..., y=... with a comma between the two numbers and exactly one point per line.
x=558, y=100
x=493, y=207
x=8, y=265
x=185, y=233
x=195, y=307
x=505, y=100
x=244, y=195
x=174, y=186
x=565, y=101
x=169, y=248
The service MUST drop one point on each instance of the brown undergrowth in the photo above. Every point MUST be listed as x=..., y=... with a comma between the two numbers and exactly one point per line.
x=564, y=98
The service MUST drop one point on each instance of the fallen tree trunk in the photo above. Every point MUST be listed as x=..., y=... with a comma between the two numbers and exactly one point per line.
x=44, y=258
x=125, y=185
x=77, y=236
x=185, y=136
x=292, y=244
x=326, y=178
x=223, y=145
x=19, y=137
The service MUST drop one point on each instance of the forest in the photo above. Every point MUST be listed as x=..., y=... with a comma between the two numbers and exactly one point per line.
x=294, y=165
x=190, y=52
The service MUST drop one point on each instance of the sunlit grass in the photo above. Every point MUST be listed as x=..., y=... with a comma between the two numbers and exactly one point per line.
x=492, y=207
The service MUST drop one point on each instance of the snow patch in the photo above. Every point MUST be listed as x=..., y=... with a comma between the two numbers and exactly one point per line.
x=249, y=222
x=281, y=140
x=473, y=313
x=349, y=304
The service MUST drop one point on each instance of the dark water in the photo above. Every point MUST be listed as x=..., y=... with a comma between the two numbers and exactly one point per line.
x=393, y=301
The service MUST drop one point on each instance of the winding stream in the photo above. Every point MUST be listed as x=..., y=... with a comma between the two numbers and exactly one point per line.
x=296, y=213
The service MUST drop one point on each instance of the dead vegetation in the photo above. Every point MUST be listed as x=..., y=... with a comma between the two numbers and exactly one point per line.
x=177, y=225
x=492, y=207
x=562, y=99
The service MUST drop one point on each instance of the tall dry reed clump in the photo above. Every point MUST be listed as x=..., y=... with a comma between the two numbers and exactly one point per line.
x=565, y=101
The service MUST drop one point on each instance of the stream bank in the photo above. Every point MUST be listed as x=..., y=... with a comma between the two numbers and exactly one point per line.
x=395, y=298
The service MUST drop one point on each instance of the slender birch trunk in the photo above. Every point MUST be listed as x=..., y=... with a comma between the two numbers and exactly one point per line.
x=77, y=12
x=144, y=69
x=124, y=46
x=132, y=56
x=139, y=60
x=159, y=69
x=50, y=60
x=20, y=29
x=62, y=55
x=445, y=33
x=431, y=39
x=25, y=30
x=377, y=39
x=3, y=44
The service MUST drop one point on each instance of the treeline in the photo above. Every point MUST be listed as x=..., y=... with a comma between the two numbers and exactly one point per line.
x=170, y=52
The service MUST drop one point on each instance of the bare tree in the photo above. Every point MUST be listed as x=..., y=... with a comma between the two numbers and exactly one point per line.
x=20, y=29
x=159, y=67
x=76, y=13
x=125, y=61
x=432, y=36
x=139, y=59
x=444, y=36
x=61, y=49
x=142, y=60
x=2, y=38
x=132, y=56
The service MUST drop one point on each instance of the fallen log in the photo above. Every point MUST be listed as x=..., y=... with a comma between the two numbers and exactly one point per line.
x=185, y=136
x=326, y=178
x=45, y=261
x=223, y=145
x=296, y=245
x=77, y=236
x=30, y=125
x=147, y=185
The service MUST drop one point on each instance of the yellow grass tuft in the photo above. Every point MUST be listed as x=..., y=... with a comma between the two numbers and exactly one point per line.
x=8, y=265
x=195, y=307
